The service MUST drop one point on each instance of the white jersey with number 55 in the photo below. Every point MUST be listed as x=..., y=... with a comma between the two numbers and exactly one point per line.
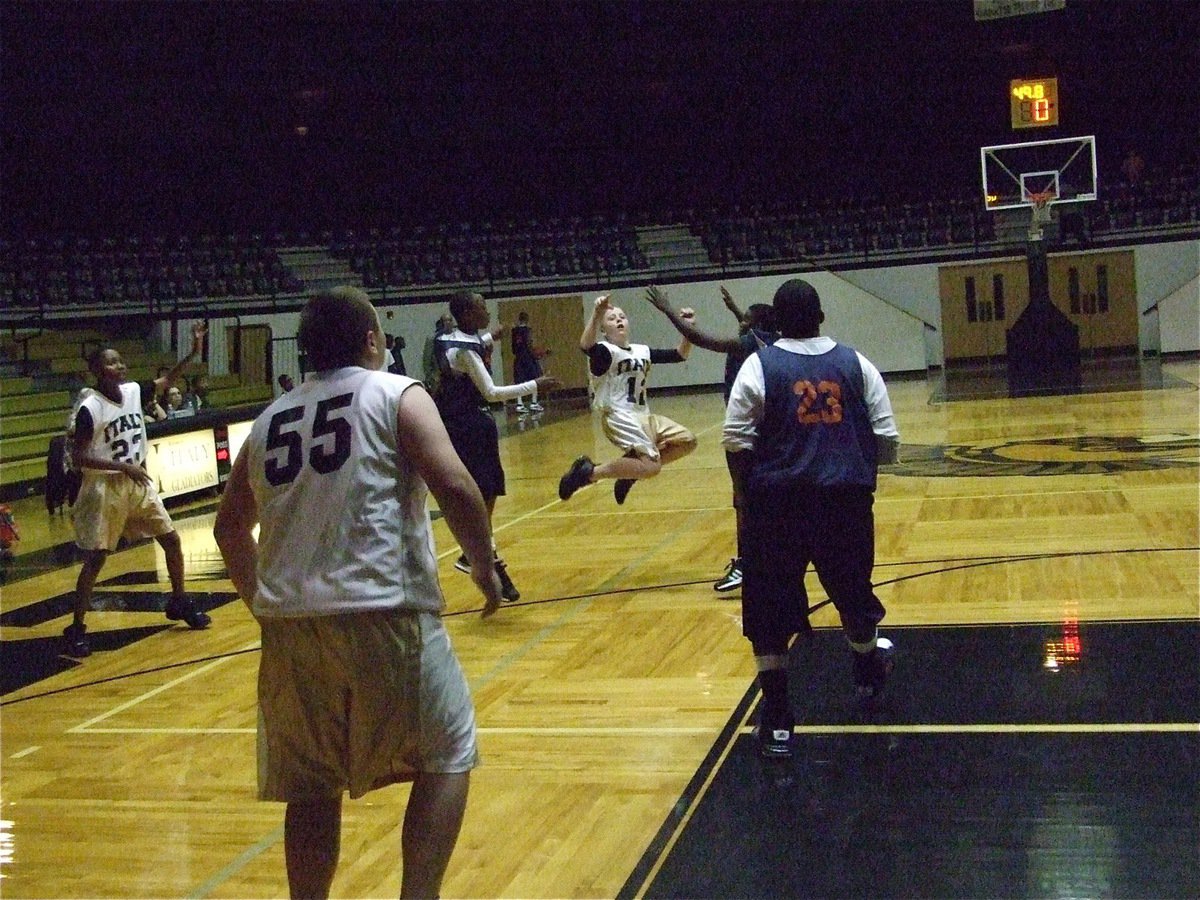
x=623, y=385
x=334, y=436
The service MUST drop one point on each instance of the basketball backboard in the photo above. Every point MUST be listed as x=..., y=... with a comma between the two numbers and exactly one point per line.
x=1014, y=173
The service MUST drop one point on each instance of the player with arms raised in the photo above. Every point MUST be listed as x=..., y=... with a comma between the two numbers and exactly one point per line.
x=619, y=372
x=117, y=497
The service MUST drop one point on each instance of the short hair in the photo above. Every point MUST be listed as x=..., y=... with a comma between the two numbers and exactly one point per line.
x=460, y=303
x=761, y=316
x=333, y=326
x=94, y=356
x=797, y=308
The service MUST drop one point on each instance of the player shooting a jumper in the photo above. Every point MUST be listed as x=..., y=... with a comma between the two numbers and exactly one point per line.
x=619, y=372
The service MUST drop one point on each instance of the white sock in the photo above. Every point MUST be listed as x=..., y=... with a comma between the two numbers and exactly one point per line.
x=864, y=648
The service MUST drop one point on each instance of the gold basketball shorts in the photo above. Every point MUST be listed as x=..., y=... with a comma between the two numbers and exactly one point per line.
x=357, y=701
x=110, y=507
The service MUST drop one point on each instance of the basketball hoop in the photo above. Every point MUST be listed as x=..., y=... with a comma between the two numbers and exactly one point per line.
x=1040, y=203
x=1040, y=200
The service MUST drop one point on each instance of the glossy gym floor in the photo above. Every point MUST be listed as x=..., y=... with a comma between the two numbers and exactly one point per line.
x=1038, y=557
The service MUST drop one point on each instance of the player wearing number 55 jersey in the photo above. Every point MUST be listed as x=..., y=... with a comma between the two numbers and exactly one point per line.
x=619, y=372
x=358, y=684
x=807, y=424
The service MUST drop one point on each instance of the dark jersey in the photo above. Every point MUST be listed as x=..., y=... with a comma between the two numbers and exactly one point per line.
x=748, y=343
x=456, y=392
x=834, y=445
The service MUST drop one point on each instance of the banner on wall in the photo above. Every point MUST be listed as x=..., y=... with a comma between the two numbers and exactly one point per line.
x=183, y=463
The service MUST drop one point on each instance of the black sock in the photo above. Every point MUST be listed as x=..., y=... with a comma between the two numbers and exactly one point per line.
x=774, y=687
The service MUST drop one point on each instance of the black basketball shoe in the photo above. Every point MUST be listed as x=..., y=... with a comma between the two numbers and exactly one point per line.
x=75, y=641
x=184, y=608
x=871, y=670
x=508, y=590
x=622, y=487
x=579, y=475
x=775, y=735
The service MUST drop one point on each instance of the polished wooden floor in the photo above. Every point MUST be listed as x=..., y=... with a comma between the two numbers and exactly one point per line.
x=603, y=691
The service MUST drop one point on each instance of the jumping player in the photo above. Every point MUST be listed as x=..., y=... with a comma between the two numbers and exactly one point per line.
x=117, y=497
x=619, y=373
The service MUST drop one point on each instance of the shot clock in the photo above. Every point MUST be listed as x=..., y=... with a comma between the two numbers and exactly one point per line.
x=1034, y=102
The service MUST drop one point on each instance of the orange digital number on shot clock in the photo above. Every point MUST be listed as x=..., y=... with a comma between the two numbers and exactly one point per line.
x=1033, y=102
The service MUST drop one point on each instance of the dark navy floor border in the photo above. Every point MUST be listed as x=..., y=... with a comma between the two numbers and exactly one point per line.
x=1080, y=781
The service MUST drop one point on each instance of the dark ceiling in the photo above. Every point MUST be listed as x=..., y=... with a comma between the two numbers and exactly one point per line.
x=147, y=115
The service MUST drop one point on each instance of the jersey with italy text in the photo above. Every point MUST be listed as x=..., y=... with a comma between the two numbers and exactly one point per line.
x=623, y=384
x=118, y=429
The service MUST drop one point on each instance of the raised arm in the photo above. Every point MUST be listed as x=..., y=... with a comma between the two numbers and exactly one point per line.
x=588, y=339
x=686, y=325
x=424, y=441
x=686, y=317
x=731, y=305
x=199, y=330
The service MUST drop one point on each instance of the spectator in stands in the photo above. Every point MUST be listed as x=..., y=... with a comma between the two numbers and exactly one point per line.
x=152, y=410
x=197, y=398
x=9, y=534
x=177, y=406
x=1133, y=167
x=395, y=354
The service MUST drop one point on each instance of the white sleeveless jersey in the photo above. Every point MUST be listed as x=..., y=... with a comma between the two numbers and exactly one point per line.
x=623, y=386
x=344, y=523
x=118, y=429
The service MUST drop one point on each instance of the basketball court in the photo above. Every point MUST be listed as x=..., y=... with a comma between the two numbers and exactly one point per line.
x=1038, y=560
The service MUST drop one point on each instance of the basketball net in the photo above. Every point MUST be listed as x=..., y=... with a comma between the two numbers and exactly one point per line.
x=1041, y=216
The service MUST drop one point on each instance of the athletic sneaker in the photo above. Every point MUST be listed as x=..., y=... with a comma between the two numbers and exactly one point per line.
x=536, y=407
x=76, y=641
x=871, y=670
x=775, y=736
x=520, y=406
x=579, y=475
x=732, y=577
x=184, y=608
x=463, y=564
x=508, y=590
x=622, y=487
